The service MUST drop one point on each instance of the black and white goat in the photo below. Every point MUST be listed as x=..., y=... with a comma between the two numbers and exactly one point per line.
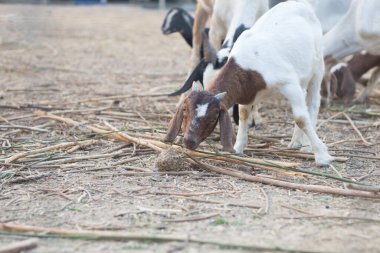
x=282, y=53
x=179, y=20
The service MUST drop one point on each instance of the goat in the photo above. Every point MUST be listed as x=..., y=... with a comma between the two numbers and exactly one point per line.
x=203, y=12
x=244, y=15
x=281, y=53
x=358, y=30
x=220, y=13
x=179, y=20
x=330, y=12
x=347, y=74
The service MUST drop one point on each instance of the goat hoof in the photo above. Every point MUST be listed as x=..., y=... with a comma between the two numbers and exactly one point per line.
x=239, y=150
x=167, y=140
x=323, y=160
x=228, y=149
x=295, y=144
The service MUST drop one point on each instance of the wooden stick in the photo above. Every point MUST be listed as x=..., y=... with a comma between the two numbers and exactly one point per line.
x=302, y=187
x=80, y=158
x=356, y=129
x=28, y=178
x=328, y=119
x=45, y=149
x=34, y=231
x=308, y=156
x=161, y=145
x=17, y=247
x=313, y=216
x=71, y=122
x=24, y=128
x=220, y=202
x=187, y=194
x=364, y=188
x=194, y=217
x=154, y=144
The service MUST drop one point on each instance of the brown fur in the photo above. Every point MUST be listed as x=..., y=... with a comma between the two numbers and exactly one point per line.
x=300, y=123
x=241, y=85
x=356, y=68
x=174, y=126
x=243, y=114
x=343, y=81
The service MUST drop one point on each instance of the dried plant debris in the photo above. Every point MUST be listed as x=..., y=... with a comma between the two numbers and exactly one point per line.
x=83, y=110
x=171, y=160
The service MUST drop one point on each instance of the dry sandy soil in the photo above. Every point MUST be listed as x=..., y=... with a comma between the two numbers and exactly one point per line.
x=81, y=59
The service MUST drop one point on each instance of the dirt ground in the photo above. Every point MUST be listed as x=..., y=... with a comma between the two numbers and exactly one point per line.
x=93, y=64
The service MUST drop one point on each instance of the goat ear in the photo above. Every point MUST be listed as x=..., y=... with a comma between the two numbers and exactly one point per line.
x=227, y=135
x=209, y=51
x=220, y=96
x=197, y=86
x=174, y=125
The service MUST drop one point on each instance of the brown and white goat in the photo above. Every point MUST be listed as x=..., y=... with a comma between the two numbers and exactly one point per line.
x=282, y=53
x=345, y=76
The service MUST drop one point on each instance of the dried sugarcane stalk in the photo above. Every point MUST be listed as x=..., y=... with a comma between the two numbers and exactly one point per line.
x=289, y=185
x=42, y=232
x=45, y=149
x=71, y=122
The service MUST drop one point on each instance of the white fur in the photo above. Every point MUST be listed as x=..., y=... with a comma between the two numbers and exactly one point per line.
x=201, y=110
x=330, y=12
x=227, y=17
x=338, y=66
x=285, y=47
x=358, y=30
x=209, y=75
x=169, y=18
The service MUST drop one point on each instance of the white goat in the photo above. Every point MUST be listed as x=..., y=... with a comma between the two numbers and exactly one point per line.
x=358, y=30
x=281, y=53
x=330, y=12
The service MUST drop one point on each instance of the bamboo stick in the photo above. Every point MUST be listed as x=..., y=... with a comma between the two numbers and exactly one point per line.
x=42, y=232
x=294, y=186
x=154, y=144
x=71, y=122
x=45, y=149
x=21, y=246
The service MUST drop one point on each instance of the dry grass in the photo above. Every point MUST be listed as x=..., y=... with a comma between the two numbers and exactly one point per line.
x=111, y=64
